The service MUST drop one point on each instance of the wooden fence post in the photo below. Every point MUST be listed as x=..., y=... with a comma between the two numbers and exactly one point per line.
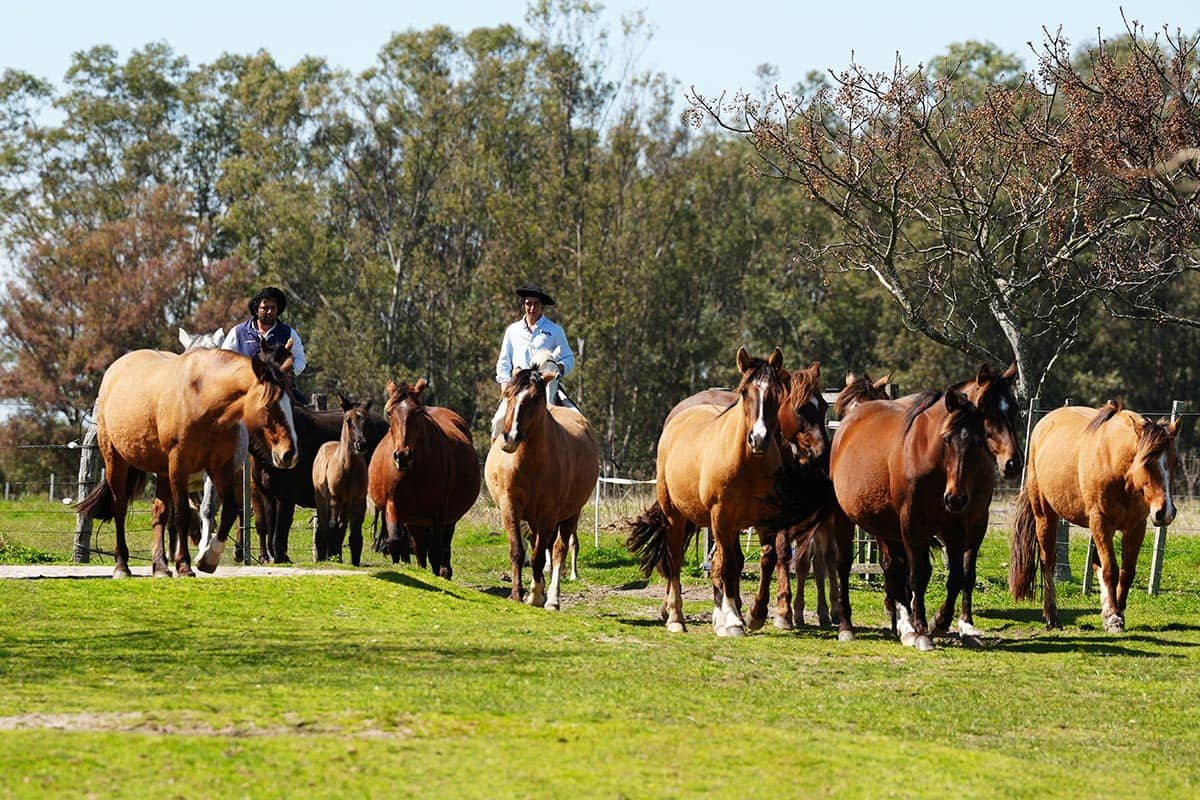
x=89, y=471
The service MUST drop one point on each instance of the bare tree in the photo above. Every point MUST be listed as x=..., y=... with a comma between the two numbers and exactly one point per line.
x=983, y=208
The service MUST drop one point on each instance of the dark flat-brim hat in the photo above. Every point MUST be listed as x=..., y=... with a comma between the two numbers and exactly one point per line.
x=271, y=293
x=533, y=290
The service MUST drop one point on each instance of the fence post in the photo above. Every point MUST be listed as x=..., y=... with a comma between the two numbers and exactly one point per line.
x=1160, y=533
x=89, y=470
x=596, y=512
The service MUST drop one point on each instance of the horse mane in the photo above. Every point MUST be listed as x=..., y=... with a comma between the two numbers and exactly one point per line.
x=759, y=367
x=921, y=403
x=522, y=379
x=803, y=385
x=1104, y=414
x=1153, y=440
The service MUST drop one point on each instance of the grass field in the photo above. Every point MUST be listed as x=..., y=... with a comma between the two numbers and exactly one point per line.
x=386, y=681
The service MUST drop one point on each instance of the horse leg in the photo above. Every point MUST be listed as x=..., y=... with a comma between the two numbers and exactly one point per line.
x=540, y=533
x=264, y=523
x=444, y=538
x=966, y=620
x=562, y=543
x=766, y=565
x=726, y=577
x=160, y=510
x=574, y=551
x=117, y=473
x=843, y=535
x=357, y=516
x=178, y=481
x=954, y=581
x=285, y=510
x=1046, y=526
x=916, y=549
x=801, y=556
x=420, y=540
x=1107, y=574
x=396, y=532
x=671, y=567
x=516, y=548
x=825, y=570
x=783, y=592
x=1131, y=545
x=225, y=483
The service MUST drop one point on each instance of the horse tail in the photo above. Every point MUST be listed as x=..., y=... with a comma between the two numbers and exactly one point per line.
x=99, y=502
x=648, y=541
x=1023, y=558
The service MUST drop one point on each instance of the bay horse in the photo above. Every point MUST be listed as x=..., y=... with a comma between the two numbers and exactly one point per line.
x=339, y=476
x=1105, y=469
x=717, y=467
x=904, y=472
x=822, y=553
x=541, y=469
x=174, y=415
x=423, y=475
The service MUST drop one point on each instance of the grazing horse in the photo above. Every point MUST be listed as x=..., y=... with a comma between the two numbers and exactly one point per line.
x=822, y=552
x=717, y=467
x=1106, y=470
x=541, y=469
x=904, y=473
x=339, y=477
x=174, y=415
x=424, y=475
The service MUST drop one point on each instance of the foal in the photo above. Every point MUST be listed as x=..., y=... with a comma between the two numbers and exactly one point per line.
x=339, y=476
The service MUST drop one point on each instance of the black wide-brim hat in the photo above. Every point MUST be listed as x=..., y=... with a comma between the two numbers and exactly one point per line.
x=533, y=290
x=272, y=293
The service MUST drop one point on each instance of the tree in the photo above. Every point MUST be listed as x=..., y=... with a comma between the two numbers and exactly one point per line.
x=972, y=202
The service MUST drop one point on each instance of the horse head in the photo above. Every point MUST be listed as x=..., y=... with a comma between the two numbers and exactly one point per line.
x=962, y=433
x=201, y=341
x=268, y=413
x=860, y=389
x=802, y=413
x=1154, y=466
x=992, y=394
x=403, y=411
x=759, y=395
x=523, y=400
x=354, y=421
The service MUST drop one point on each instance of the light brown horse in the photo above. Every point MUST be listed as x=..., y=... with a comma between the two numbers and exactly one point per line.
x=1104, y=469
x=339, y=477
x=904, y=473
x=541, y=469
x=424, y=475
x=174, y=415
x=717, y=468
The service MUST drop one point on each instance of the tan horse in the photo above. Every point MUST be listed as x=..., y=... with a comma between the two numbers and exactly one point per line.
x=1105, y=470
x=174, y=415
x=717, y=468
x=424, y=475
x=541, y=469
x=904, y=473
x=339, y=477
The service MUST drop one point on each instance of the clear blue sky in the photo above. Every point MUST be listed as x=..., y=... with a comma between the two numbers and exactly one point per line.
x=712, y=45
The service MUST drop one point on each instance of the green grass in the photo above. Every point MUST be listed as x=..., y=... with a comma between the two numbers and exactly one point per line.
x=389, y=682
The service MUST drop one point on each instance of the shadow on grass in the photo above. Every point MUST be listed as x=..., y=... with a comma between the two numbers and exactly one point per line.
x=418, y=582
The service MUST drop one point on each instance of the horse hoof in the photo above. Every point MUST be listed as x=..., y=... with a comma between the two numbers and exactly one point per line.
x=676, y=627
x=923, y=644
x=161, y=573
x=755, y=622
x=733, y=632
x=966, y=629
x=971, y=642
x=185, y=572
x=908, y=638
x=1114, y=625
x=122, y=572
x=824, y=622
x=845, y=636
x=783, y=624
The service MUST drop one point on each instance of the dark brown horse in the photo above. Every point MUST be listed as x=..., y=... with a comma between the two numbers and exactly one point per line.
x=174, y=415
x=339, y=477
x=904, y=473
x=424, y=475
x=541, y=469
x=718, y=467
x=1104, y=469
x=822, y=553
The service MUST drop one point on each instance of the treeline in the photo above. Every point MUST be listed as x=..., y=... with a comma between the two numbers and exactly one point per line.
x=399, y=207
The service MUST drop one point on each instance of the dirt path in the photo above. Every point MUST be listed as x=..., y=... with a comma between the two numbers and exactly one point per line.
x=144, y=571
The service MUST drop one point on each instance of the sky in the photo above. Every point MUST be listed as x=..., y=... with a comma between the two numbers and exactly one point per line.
x=713, y=46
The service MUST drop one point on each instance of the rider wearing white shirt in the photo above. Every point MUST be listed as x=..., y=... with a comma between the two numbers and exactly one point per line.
x=533, y=332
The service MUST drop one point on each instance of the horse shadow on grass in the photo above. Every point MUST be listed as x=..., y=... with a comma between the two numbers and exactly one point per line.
x=419, y=582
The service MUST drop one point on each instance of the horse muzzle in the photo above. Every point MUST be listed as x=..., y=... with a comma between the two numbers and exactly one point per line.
x=285, y=460
x=1012, y=467
x=508, y=443
x=757, y=444
x=1164, y=515
x=403, y=459
x=956, y=502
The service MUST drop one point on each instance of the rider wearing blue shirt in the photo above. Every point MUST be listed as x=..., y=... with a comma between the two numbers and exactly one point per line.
x=533, y=332
x=264, y=326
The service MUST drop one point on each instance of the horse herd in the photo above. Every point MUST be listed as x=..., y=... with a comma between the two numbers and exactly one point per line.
x=912, y=472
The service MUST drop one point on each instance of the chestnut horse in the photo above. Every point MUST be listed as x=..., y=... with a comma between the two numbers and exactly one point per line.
x=541, y=469
x=1106, y=470
x=904, y=473
x=424, y=475
x=821, y=553
x=174, y=415
x=339, y=477
x=718, y=467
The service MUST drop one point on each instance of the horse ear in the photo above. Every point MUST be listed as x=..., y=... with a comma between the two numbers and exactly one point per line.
x=815, y=369
x=345, y=402
x=984, y=375
x=390, y=389
x=882, y=382
x=1173, y=428
x=420, y=387
x=851, y=378
x=1011, y=372
x=775, y=360
x=954, y=400
x=743, y=359
x=366, y=404
x=185, y=338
